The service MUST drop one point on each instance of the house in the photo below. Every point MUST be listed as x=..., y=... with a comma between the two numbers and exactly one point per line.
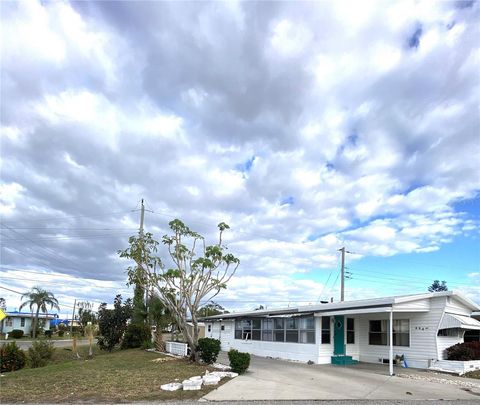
x=419, y=327
x=23, y=321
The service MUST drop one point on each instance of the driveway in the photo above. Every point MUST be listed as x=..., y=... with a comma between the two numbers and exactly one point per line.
x=269, y=379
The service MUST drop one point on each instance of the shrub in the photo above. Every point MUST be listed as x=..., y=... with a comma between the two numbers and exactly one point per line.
x=209, y=349
x=61, y=333
x=464, y=351
x=11, y=357
x=135, y=336
x=48, y=333
x=40, y=353
x=16, y=333
x=239, y=362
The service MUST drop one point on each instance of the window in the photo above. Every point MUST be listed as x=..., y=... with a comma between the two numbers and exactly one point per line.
x=401, y=332
x=9, y=322
x=292, y=330
x=22, y=322
x=267, y=329
x=279, y=326
x=350, y=331
x=209, y=328
x=307, y=330
x=222, y=327
x=325, y=329
x=378, y=333
x=256, y=329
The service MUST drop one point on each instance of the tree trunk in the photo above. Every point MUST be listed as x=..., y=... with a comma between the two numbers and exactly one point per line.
x=35, y=323
x=159, y=343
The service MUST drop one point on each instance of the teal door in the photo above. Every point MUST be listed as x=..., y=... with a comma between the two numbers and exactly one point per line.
x=339, y=335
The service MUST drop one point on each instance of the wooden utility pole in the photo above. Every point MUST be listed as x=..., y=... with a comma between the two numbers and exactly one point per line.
x=342, y=276
x=73, y=317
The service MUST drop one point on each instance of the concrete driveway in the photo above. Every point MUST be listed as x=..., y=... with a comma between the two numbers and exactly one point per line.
x=269, y=379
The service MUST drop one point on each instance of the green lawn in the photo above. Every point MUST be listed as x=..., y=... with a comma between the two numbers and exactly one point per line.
x=126, y=375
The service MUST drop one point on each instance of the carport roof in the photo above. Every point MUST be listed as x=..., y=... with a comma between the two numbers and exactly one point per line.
x=372, y=303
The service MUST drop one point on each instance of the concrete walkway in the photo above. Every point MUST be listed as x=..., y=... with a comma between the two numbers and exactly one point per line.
x=269, y=379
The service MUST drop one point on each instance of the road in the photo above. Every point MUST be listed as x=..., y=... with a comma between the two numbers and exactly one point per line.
x=25, y=344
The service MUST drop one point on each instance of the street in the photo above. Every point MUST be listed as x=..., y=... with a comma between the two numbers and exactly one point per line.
x=25, y=344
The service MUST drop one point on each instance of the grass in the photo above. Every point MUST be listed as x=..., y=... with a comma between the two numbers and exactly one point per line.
x=126, y=375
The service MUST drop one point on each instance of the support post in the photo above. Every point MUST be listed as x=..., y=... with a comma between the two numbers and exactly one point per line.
x=390, y=355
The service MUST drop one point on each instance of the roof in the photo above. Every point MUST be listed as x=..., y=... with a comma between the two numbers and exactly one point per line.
x=13, y=314
x=459, y=321
x=349, y=305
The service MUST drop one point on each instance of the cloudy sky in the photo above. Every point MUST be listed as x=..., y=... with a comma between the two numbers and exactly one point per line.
x=305, y=126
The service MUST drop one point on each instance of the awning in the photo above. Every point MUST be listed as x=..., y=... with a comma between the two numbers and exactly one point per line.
x=450, y=321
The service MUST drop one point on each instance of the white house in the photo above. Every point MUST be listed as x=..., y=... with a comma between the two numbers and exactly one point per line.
x=419, y=327
x=23, y=321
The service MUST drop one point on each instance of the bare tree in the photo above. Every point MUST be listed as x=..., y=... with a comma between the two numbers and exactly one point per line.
x=198, y=274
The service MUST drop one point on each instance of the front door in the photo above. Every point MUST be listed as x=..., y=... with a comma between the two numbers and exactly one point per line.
x=339, y=335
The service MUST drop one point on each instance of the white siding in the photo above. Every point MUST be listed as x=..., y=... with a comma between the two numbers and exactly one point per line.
x=423, y=334
x=456, y=307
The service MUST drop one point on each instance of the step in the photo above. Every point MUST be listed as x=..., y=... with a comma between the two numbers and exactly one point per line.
x=341, y=360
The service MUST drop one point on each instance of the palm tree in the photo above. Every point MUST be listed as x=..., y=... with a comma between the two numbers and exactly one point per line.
x=41, y=298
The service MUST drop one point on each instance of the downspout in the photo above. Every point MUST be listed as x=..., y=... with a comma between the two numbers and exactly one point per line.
x=390, y=356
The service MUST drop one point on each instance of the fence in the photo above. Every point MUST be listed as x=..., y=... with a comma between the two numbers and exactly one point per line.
x=180, y=349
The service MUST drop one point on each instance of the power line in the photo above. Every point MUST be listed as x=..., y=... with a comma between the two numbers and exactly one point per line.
x=74, y=216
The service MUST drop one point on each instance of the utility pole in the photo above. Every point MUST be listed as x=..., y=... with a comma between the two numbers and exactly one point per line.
x=142, y=218
x=342, y=276
x=73, y=317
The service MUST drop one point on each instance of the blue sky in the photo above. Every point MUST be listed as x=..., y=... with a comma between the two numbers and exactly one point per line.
x=305, y=126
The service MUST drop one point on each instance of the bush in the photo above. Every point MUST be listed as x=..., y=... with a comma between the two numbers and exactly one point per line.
x=61, y=333
x=209, y=349
x=16, y=333
x=239, y=362
x=11, y=357
x=135, y=336
x=464, y=351
x=40, y=353
x=48, y=333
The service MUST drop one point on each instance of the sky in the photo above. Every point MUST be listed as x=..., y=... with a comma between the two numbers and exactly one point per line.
x=306, y=126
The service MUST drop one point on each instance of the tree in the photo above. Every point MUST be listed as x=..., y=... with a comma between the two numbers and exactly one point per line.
x=86, y=316
x=436, y=286
x=259, y=308
x=113, y=322
x=198, y=272
x=211, y=309
x=41, y=299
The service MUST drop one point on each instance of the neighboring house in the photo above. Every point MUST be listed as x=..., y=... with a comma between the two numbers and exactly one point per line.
x=23, y=321
x=201, y=328
x=419, y=327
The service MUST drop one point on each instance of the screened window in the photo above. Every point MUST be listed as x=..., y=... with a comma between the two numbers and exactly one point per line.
x=307, y=330
x=325, y=329
x=9, y=322
x=350, y=330
x=22, y=322
x=378, y=333
x=453, y=332
x=267, y=329
x=292, y=330
x=243, y=329
x=209, y=328
x=279, y=333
